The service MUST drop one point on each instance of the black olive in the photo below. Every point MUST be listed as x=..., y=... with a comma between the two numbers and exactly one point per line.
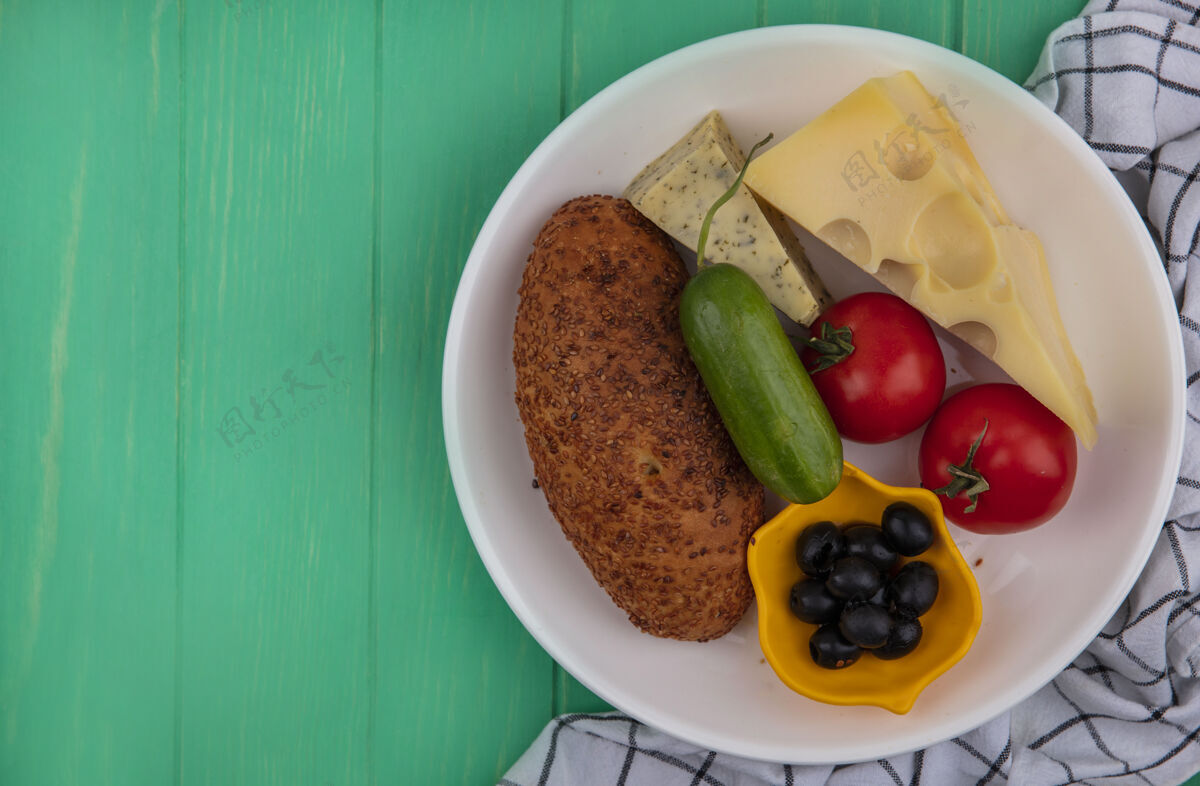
x=818, y=547
x=907, y=529
x=913, y=590
x=853, y=578
x=830, y=650
x=902, y=639
x=867, y=541
x=811, y=602
x=865, y=624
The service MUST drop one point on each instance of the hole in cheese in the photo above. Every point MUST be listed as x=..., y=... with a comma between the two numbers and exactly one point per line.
x=907, y=152
x=848, y=239
x=954, y=239
x=899, y=277
x=978, y=335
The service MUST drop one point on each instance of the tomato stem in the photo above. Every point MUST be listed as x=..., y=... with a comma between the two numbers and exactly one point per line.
x=835, y=345
x=728, y=195
x=965, y=479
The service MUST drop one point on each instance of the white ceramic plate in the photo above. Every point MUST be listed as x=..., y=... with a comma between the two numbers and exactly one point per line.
x=1046, y=593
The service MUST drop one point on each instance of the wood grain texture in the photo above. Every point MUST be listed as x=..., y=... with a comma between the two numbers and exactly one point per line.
x=605, y=41
x=88, y=309
x=1009, y=37
x=570, y=695
x=231, y=233
x=470, y=89
x=937, y=21
x=276, y=392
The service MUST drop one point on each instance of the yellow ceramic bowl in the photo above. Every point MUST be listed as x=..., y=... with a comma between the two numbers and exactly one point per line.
x=949, y=627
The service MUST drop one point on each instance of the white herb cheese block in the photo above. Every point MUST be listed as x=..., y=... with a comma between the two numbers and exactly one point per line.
x=886, y=178
x=675, y=192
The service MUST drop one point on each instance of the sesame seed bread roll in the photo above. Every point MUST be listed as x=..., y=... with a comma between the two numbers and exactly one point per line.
x=626, y=444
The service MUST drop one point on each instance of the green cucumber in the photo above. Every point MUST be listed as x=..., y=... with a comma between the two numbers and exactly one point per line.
x=764, y=396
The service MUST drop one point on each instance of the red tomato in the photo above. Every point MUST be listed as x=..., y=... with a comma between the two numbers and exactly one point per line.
x=894, y=375
x=1026, y=457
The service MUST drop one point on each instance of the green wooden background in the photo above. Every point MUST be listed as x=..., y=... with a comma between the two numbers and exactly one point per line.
x=231, y=231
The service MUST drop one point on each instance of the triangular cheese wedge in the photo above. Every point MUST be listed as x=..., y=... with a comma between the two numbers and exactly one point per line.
x=676, y=190
x=885, y=177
